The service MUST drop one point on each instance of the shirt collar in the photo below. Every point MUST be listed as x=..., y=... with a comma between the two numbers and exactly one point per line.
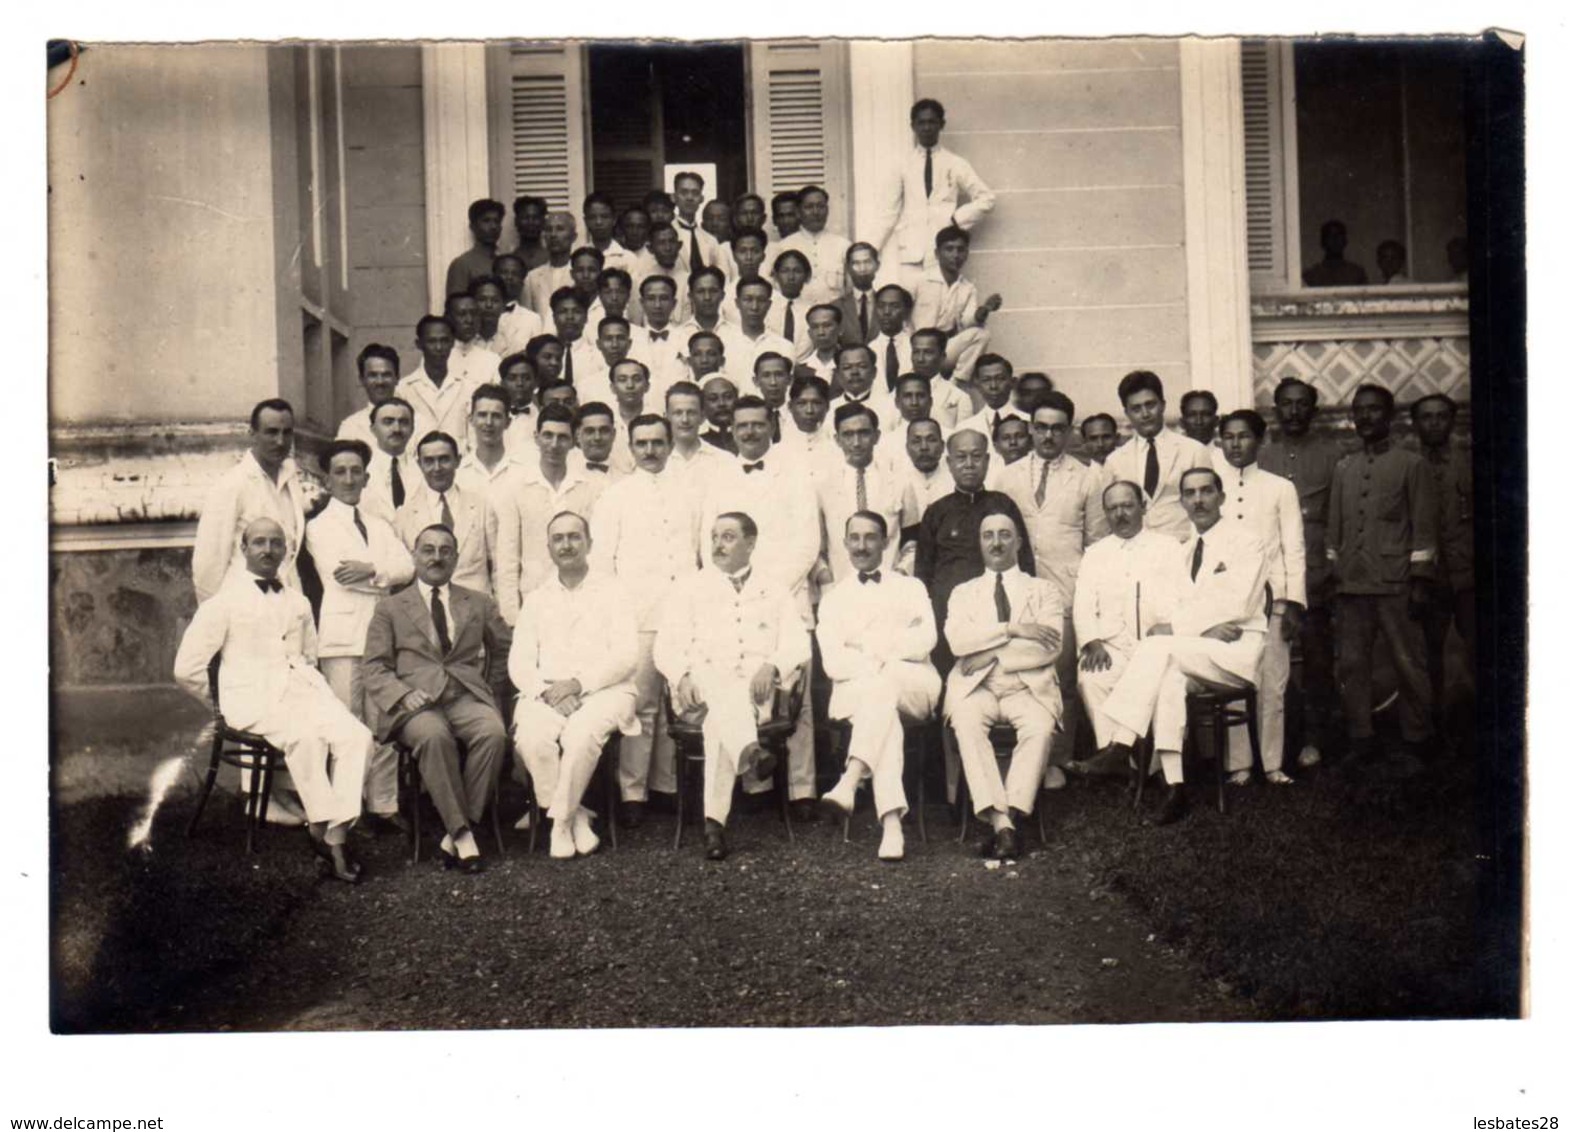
x=286, y=470
x=1379, y=448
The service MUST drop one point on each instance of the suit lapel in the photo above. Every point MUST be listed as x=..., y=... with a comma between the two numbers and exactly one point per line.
x=414, y=609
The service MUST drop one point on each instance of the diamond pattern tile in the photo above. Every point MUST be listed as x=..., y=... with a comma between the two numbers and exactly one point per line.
x=1408, y=367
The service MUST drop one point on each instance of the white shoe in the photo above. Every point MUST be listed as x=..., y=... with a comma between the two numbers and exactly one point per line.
x=583, y=837
x=842, y=799
x=1308, y=756
x=562, y=845
x=892, y=847
x=1240, y=778
x=1055, y=779
x=1278, y=778
x=523, y=822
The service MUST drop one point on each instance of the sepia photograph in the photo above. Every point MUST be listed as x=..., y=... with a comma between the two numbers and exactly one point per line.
x=805, y=536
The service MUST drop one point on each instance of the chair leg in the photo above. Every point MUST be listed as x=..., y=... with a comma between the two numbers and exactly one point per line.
x=207, y=788
x=1218, y=731
x=922, y=746
x=496, y=816
x=1252, y=719
x=534, y=816
x=414, y=783
x=782, y=788
x=962, y=799
x=681, y=793
x=610, y=769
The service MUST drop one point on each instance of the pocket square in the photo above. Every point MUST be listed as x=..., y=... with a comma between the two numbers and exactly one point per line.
x=1221, y=568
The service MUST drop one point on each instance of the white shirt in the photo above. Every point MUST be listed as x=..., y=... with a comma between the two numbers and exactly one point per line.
x=886, y=494
x=333, y=539
x=666, y=358
x=798, y=307
x=865, y=626
x=778, y=496
x=707, y=627
x=377, y=498
x=1125, y=586
x=695, y=470
x=423, y=507
x=357, y=426
x=950, y=307
x=926, y=488
x=516, y=517
x=540, y=284
x=708, y=247
x=1175, y=454
x=646, y=535
x=241, y=495
x=742, y=352
x=517, y=325
x=1229, y=586
x=826, y=251
x=587, y=634
x=1267, y=505
x=678, y=274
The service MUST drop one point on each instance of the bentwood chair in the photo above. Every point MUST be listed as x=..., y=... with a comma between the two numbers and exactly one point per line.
x=252, y=755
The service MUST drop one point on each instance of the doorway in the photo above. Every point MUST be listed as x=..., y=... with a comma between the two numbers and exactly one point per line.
x=667, y=105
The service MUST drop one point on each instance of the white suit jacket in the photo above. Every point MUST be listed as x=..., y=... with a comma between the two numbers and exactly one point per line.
x=1175, y=454
x=446, y=408
x=863, y=627
x=780, y=499
x=646, y=535
x=264, y=638
x=1125, y=586
x=346, y=610
x=589, y=634
x=423, y=507
x=242, y=495
x=972, y=626
x=916, y=218
x=706, y=626
x=1230, y=585
x=517, y=513
x=1069, y=519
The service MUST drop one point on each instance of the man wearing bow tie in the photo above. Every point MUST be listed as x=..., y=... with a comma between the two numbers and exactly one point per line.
x=663, y=353
x=434, y=654
x=1155, y=457
x=1213, y=638
x=268, y=684
x=1004, y=629
x=767, y=483
x=876, y=631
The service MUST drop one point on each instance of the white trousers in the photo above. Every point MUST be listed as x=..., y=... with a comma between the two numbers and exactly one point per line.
x=560, y=752
x=875, y=706
x=344, y=675
x=730, y=725
x=1275, y=672
x=1095, y=687
x=971, y=718
x=324, y=746
x=1160, y=673
x=648, y=760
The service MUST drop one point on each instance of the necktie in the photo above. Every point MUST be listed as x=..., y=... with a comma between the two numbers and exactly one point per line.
x=865, y=325
x=750, y=468
x=1199, y=558
x=790, y=319
x=861, y=489
x=891, y=365
x=439, y=619
x=1152, y=469
x=566, y=364
x=694, y=256
x=873, y=576
x=1041, y=485
x=1001, y=597
x=596, y=466
x=446, y=513
x=397, y=486
x=269, y=585
x=659, y=335
x=774, y=426
x=359, y=525
x=926, y=175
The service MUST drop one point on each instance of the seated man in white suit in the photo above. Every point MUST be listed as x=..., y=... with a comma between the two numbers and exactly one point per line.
x=572, y=660
x=730, y=636
x=876, y=631
x=1005, y=629
x=268, y=684
x=1122, y=590
x=1214, y=637
x=360, y=559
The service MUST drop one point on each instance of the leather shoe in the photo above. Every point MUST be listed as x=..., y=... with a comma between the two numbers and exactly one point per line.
x=469, y=865
x=1175, y=808
x=632, y=814
x=1006, y=846
x=382, y=825
x=989, y=842
x=714, y=847
x=1112, y=761
x=804, y=810
x=763, y=766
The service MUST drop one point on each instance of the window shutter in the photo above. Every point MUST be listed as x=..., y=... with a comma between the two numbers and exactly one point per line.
x=540, y=148
x=1269, y=165
x=798, y=121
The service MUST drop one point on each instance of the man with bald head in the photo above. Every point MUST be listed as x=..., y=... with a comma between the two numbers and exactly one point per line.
x=268, y=684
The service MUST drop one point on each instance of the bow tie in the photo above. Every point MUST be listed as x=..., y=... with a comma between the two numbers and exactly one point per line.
x=269, y=585
x=873, y=576
x=750, y=468
x=596, y=466
x=659, y=335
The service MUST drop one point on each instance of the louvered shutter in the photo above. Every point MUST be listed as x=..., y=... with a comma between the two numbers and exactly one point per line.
x=798, y=121
x=1269, y=165
x=540, y=148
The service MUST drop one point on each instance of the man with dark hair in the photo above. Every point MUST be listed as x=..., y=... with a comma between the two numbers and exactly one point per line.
x=518, y=380
x=485, y=224
x=924, y=196
x=858, y=304
x=1450, y=464
x=594, y=430
x=1011, y=441
x=662, y=352
x=925, y=470
x=699, y=247
x=823, y=340
x=1383, y=545
x=471, y=362
x=438, y=390
x=746, y=342
x=360, y=560
x=487, y=461
x=632, y=230
x=378, y=370
x=545, y=279
x=928, y=347
x=1266, y=505
x=994, y=381
x=434, y=654
x=1335, y=270
x=599, y=222
x=616, y=299
x=948, y=301
x=748, y=211
x=1197, y=411
x=807, y=438
x=719, y=405
x=860, y=482
x=1156, y=457
x=912, y=401
x=1100, y=435
x=748, y=255
x=1212, y=638
x=660, y=206
x=825, y=251
x=612, y=346
x=439, y=499
x=1308, y=460
x=716, y=221
x=517, y=323
x=788, y=316
x=569, y=313
x=730, y=636
x=705, y=291
x=528, y=219
x=890, y=337
x=662, y=259
x=265, y=484
x=1030, y=389
x=771, y=374
x=490, y=297
x=392, y=472
x=785, y=209
x=856, y=368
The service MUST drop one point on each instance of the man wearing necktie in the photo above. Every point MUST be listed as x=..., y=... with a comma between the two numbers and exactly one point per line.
x=1213, y=638
x=1156, y=457
x=859, y=304
x=1004, y=629
x=360, y=560
x=994, y=380
x=268, y=684
x=924, y=196
x=440, y=498
x=699, y=247
x=434, y=654
x=876, y=631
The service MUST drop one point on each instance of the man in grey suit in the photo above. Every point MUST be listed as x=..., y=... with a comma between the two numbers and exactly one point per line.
x=433, y=654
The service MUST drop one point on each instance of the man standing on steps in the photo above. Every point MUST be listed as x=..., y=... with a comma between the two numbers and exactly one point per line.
x=1155, y=457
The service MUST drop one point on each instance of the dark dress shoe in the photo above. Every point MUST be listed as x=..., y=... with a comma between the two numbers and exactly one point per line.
x=1007, y=845
x=450, y=861
x=989, y=843
x=804, y=810
x=714, y=847
x=1175, y=808
x=382, y=825
x=765, y=764
x=632, y=814
x=1112, y=761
